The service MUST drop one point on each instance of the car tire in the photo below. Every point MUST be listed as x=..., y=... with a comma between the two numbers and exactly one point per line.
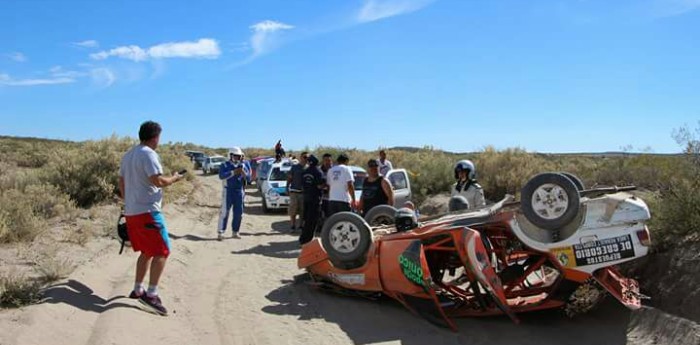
x=346, y=237
x=381, y=215
x=577, y=181
x=265, y=209
x=550, y=201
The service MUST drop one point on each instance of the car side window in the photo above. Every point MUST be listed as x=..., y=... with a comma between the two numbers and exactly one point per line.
x=398, y=180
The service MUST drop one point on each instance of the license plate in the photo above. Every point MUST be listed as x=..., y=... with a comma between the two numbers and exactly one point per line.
x=595, y=252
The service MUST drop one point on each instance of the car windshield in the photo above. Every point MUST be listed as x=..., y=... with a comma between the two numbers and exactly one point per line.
x=198, y=154
x=278, y=175
x=359, y=179
x=218, y=159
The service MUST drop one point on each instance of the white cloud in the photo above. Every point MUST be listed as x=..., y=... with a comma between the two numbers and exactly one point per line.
x=60, y=72
x=270, y=26
x=205, y=48
x=669, y=8
x=102, y=77
x=6, y=80
x=264, y=38
x=380, y=9
x=87, y=44
x=17, y=57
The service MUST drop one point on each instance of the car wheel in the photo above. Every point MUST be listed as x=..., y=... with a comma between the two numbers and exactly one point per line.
x=265, y=209
x=381, y=215
x=577, y=181
x=346, y=237
x=550, y=201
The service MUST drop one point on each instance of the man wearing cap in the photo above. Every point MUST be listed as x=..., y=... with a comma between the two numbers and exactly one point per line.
x=313, y=188
x=341, y=190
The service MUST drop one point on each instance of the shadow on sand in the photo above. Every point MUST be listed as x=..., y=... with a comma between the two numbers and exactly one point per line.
x=366, y=321
x=80, y=296
x=190, y=237
x=280, y=250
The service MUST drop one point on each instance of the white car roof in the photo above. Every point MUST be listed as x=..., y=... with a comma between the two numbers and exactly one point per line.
x=356, y=168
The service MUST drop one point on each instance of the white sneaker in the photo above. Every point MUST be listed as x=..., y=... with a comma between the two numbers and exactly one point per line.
x=221, y=237
x=235, y=235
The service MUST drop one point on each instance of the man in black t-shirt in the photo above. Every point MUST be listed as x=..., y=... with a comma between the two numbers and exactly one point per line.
x=313, y=189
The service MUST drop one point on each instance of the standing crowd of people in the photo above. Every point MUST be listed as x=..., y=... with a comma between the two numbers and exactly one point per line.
x=317, y=190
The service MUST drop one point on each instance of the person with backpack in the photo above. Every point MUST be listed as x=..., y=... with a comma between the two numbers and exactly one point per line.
x=141, y=183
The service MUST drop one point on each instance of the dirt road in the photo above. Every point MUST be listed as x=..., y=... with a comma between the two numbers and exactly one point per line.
x=240, y=291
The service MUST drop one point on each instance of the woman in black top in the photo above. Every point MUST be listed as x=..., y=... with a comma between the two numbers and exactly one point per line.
x=376, y=190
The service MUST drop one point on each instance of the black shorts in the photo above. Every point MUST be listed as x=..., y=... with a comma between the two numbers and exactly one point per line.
x=337, y=206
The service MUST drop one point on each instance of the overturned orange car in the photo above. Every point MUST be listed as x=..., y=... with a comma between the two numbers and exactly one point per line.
x=555, y=248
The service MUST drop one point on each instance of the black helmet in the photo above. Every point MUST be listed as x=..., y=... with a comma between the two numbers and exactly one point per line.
x=405, y=219
x=312, y=160
x=458, y=202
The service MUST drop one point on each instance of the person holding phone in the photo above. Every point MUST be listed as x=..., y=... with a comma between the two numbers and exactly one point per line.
x=141, y=183
x=233, y=174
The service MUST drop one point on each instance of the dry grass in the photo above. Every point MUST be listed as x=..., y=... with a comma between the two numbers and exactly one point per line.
x=17, y=290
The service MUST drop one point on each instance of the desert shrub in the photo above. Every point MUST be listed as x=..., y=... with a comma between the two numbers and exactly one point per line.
x=18, y=290
x=676, y=215
x=51, y=268
x=89, y=174
x=18, y=219
x=505, y=172
x=29, y=152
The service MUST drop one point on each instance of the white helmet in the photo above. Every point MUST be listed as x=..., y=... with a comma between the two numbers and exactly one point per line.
x=235, y=151
x=467, y=165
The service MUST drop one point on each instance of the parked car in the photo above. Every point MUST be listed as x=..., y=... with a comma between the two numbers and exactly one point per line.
x=197, y=159
x=254, y=164
x=262, y=171
x=555, y=248
x=212, y=164
x=274, y=187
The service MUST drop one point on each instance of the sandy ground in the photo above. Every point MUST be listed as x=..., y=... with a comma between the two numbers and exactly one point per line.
x=241, y=291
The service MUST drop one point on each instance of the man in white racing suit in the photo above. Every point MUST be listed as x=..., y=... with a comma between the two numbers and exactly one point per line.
x=466, y=185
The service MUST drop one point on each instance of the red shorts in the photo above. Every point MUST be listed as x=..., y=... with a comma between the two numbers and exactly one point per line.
x=148, y=234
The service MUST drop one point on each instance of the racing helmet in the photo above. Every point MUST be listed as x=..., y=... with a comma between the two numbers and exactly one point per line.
x=405, y=219
x=467, y=165
x=235, y=151
x=457, y=203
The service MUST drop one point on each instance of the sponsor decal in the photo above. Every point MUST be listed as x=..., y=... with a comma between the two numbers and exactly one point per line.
x=409, y=261
x=348, y=279
x=595, y=252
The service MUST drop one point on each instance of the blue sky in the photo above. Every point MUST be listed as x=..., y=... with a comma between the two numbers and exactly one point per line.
x=547, y=76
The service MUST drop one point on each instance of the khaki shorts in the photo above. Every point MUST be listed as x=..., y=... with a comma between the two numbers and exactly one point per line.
x=296, y=204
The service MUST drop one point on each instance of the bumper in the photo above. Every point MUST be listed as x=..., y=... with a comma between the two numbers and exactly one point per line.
x=277, y=203
x=624, y=289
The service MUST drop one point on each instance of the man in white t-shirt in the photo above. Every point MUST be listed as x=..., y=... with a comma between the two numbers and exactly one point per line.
x=384, y=164
x=341, y=190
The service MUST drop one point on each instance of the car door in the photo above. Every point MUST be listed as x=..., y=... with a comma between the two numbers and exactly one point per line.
x=476, y=260
x=398, y=178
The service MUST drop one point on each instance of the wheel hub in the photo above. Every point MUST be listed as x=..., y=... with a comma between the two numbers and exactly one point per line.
x=550, y=201
x=344, y=237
